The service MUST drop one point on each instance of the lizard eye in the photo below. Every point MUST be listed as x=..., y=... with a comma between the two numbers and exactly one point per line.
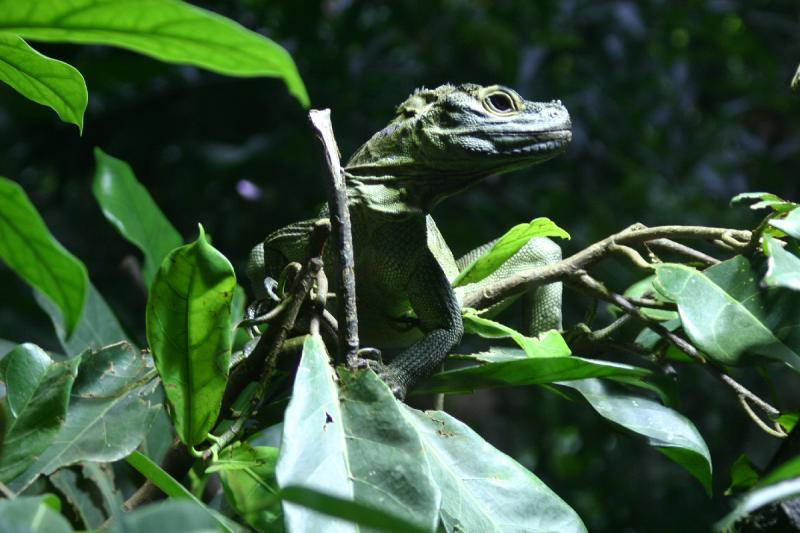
x=500, y=103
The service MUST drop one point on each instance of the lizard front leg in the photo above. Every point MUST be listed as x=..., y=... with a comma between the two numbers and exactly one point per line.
x=435, y=304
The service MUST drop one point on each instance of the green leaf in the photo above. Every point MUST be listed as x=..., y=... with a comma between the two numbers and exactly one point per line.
x=729, y=317
x=248, y=479
x=172, y=488
x=354, y=445
x=170, y=515
x=131, y=209
x=755, y=499
x=37, y=395
x=766, y=199
x=783, y=268
x=44, y=80
x=72, y=487
x=789, y=224
x=743, y=475
x=505, y=247
x=167, y=30
x=188, y=328
x=102, y=475
x=358, y=513
x=114, y=400
x=644, y=287
x=548, y=344
x=33, y=514
x=787, y=470
x=668, y=431
x=527, y=371
x=30, y=250
x=482, y=488
x=97, y=327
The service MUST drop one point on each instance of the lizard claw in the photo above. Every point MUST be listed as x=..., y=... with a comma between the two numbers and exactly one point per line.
x=371, y=358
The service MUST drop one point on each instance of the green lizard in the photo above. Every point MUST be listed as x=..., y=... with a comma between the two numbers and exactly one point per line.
x=440, y=142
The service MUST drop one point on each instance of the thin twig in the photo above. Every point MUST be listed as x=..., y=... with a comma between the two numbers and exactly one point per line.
x=682, y=249
x=342, y=237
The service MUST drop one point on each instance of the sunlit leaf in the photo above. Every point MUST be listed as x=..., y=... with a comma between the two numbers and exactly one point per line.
x=44, y=80
x=765, y=200
x=37, y=395
x=29, y=249
x=743, y=475
x=665, y=429
x=790, y=224
x=353, y=445
x=131, y=209
x=505, y=247
x=482, y=488
x=728, y=316
x=188, y=328
x=169, y=30
x=548, y=344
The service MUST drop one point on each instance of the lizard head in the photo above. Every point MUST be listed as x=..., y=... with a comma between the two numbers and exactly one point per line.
x=444, y=140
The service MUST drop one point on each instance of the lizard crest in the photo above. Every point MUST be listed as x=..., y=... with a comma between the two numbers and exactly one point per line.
x=444, y=140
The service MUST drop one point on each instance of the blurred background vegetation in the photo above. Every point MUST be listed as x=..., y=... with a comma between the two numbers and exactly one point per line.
x=676, y=107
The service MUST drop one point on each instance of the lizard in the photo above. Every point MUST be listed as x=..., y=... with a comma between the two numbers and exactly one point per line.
x=440, y=142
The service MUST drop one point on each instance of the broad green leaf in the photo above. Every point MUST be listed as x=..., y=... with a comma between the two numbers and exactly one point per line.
x=729, y=317
x=668, y=431
x=743, y=475
x=358, y=513
x=97, y=327
x=765, y=199
x=790, y=224
x=758, y=498
x=131, y=209
x=72, y=487
x=548, y=344
x=248, y=479
x=188, y=328
x=114, y=400
x=505, y=247
x=495, y=354
x=168, y=30
x=37, y=395
x=171, y=515
x=783, y=268
x=33, y=514
x=353, y=445
x=482, y=488
x=527, y=371
x=172, y=488
x=44, y=80
x=788, y=420
x=29, y=249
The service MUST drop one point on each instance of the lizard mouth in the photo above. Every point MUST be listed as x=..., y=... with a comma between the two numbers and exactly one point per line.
x=543, y=142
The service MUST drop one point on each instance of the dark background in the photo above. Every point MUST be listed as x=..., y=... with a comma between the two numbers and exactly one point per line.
x=676, y=107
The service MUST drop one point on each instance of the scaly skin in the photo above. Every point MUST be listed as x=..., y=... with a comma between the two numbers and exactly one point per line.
x=441, y=142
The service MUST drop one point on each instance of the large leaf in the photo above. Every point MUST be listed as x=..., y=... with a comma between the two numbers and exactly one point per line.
x=33, y=514
x=131, y=209
x=188, y=328
x=668, y=431
x=505, y=247
x=97, y=327
x=28, y=248
x=728, y=316
x=758, y=498
x=248, y=479
x=37, y=395
x=168, y=30
x=783, y=268
x=482, y=488
x=525, y=371
x=790, y=224
x=114, y=400
x=44, y=80
x=354, y=445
